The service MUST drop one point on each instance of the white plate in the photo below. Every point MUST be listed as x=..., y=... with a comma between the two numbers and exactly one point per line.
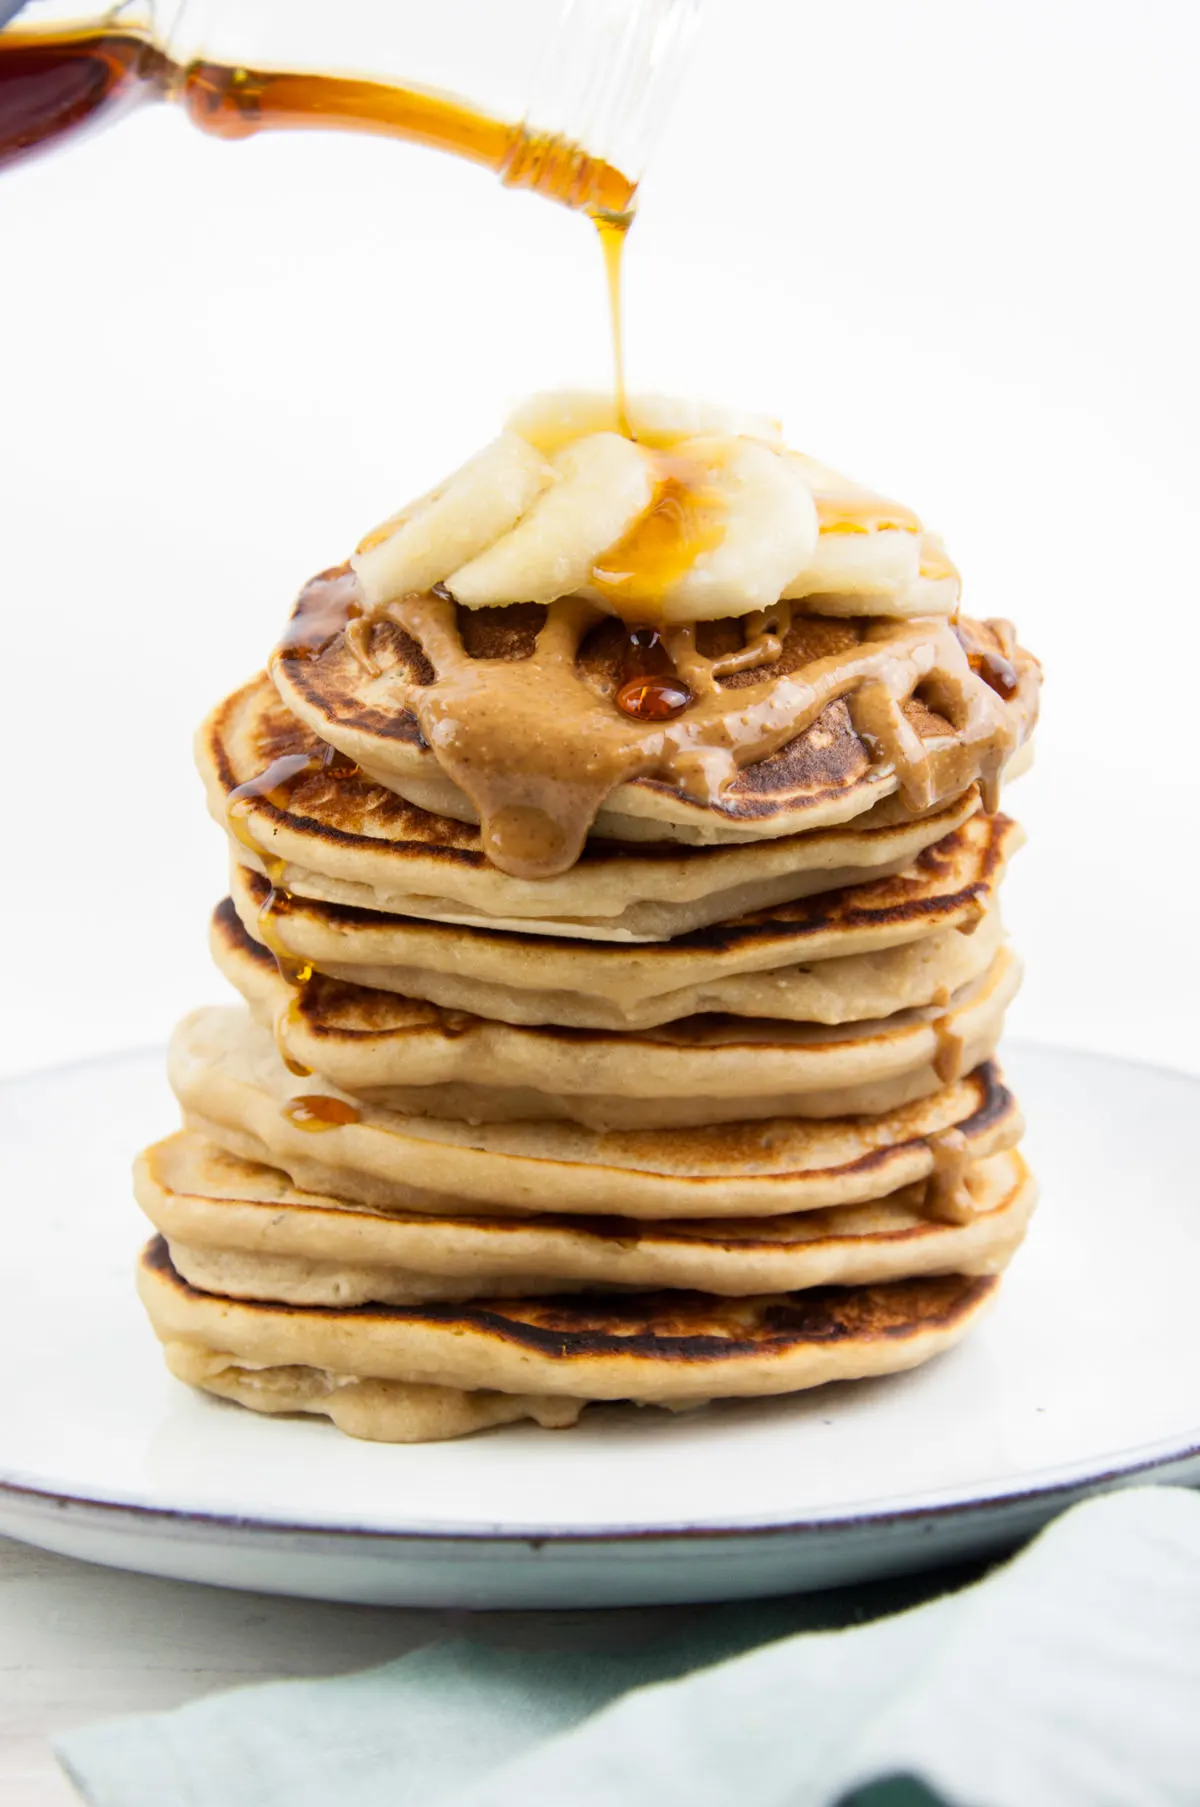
x=1083, y=1376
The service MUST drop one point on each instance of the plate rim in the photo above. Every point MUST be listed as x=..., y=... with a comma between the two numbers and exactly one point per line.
x=185, y=1519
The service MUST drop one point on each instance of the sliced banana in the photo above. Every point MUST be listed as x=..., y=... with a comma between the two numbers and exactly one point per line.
x=604, y=482
x=859, y=564
x=763, y=521
x=552, y=421
x=460, y=518
x=703, y=515
x=873, y=555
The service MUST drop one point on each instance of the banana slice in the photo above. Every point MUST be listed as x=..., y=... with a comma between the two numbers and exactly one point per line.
x=603, y=484
x=552, y=421
x=460, y=518
x=873, y=555
x=757, y=519
x=859, y=564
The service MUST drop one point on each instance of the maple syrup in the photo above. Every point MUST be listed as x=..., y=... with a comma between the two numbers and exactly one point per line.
x=995, y=668
x=273, y=786
x=53, y=83
x=317, y=1111
x=650, y=688
x=654, y=699
x=685, y=519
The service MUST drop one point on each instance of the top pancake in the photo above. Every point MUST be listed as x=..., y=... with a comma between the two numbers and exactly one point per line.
x=826, y=775
x=331, y=834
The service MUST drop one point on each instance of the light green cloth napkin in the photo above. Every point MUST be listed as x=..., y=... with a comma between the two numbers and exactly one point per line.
x=1068, y=1678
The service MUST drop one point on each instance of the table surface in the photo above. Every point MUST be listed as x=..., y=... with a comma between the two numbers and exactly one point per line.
x=80, y=1643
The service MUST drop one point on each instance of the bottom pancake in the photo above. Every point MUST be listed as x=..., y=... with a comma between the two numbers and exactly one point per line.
x=380, y=1411
x=674, y=1349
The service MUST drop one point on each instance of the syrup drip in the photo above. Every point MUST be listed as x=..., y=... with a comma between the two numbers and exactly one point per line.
x=860, y=512
x=316, y=1111
x=685, y=519
x=335, y=609
x=614, y=229
x=274, y=786
x=650, y=688
x=947, y=1196
x=936, y=562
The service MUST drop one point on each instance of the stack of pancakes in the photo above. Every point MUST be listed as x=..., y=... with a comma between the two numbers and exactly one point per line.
x=712, y=1111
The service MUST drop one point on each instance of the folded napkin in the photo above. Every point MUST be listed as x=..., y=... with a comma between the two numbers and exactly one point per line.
x=1070, y=1677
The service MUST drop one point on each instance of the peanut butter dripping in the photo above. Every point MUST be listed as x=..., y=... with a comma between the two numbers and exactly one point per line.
x=538, y=749
x=948, y=1196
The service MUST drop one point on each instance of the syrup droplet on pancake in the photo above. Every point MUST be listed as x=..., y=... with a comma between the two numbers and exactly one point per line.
x=645, y=655
x=654, y=699
x=650, y=689
x=289, y=1015
x=995, y=668
x=997, y=671
x=333, y=603
x=273, y=786
x=316, y=1111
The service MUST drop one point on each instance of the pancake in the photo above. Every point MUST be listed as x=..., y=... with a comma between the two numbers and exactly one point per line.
x=242, y=1230
x=359, y=695
x=323, y=832
x=234, y=1089
x=888, y=944
x=417, y=1058
x=381, y=1411
x=675, y=1349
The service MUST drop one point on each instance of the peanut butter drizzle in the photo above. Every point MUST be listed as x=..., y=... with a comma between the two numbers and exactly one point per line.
x=947, y=1195
x=948, y=1058
x=538, y=748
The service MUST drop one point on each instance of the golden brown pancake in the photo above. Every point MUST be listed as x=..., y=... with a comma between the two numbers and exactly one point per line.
x=235, y=1090
x=325, y=833
x=411, y=1056
x=837, y=957
x=243, y=1230
x=674, y=1348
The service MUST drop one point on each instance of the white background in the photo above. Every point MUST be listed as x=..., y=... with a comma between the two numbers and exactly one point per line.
x=952, y=241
